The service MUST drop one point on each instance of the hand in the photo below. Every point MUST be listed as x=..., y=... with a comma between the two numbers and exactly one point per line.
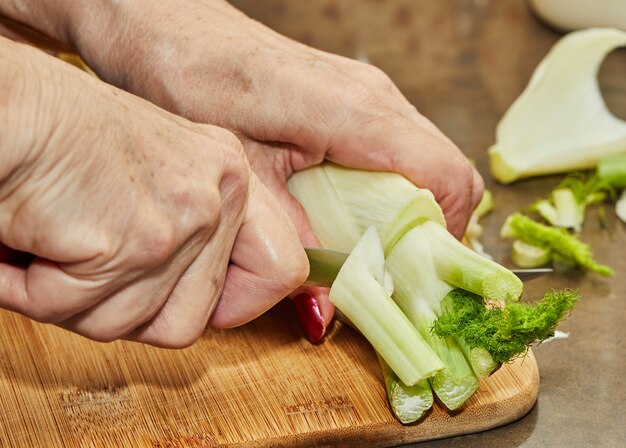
x=291, y=105
x=131, y=214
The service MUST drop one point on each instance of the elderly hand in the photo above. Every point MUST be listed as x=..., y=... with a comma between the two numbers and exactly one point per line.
x=291, y=105
x=138, y=221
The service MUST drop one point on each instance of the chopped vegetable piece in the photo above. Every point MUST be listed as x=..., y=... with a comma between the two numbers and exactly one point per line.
x=564, y=246
x=588, y=188
x=526, y=255
x=418, y=294
x=474, y=230
x=613, y=170
x=485, y=205
x=504, y=332
x=425, y=262
x=560, y=122
x=359, y=293
x=567, y=205
x=357, y=199
x=408, y=403
x=570, y=213
x=462, y=267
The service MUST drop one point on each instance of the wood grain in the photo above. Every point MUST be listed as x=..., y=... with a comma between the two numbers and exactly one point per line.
x=260, y=385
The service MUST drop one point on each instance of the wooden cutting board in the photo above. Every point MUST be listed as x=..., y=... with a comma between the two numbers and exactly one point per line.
x=261, y=385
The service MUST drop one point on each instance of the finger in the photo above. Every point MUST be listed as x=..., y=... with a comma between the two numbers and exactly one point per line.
x=267, y=261
x=184, y=316
x=128, y=308
x=44, y=292
x=12, y=287
x=313, y=305
x=478, y=189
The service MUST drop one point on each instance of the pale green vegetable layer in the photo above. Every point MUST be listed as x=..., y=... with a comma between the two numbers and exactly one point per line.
x=360, y=294
x=560, y=122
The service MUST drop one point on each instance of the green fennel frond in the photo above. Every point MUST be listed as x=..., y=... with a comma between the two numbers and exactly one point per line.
x=504, y=332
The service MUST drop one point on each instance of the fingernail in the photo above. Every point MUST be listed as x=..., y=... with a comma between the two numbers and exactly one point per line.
x=310, y=316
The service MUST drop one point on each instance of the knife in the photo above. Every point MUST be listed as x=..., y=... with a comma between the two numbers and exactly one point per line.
x=325, y=265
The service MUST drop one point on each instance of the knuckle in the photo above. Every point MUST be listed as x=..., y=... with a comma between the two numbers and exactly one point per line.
x=380, y=78
x=208, y=209
x=198, y=206
x=235, y=183
x=157, y=243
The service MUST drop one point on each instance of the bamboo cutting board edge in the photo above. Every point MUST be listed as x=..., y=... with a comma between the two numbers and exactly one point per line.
x=472, y=419
x=261, y=385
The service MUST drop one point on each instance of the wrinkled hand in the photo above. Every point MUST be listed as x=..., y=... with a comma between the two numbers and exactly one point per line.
x=292, y=106
x=132, y=214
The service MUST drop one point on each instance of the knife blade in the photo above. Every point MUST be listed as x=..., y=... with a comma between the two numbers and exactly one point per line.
x=325, y=265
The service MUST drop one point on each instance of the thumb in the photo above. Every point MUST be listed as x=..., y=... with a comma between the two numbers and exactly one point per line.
x=312, y=304
x=267, y=261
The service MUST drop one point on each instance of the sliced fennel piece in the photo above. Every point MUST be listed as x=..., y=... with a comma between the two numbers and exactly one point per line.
x=562, y=210
x=613, y=170
x=570, y=213
x=462, y=267
x=561, y=122
x=408, y=403
x=359, y=293
x=620, y=207
x=564, y=247
x=418, y=293
x=329, y=219
x=370, y=197
x=473, y=232
x=547, y=211
x=341, y=203
x=485, y=205
x=526, y=255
